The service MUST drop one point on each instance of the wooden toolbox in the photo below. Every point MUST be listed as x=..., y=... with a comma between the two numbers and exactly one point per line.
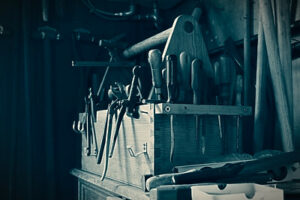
x=143, y=145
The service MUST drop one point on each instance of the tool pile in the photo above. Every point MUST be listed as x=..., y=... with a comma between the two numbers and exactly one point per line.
x=189, y=95
x=182, y=76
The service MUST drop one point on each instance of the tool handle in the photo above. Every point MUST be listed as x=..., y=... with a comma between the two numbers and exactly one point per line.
x=171, y=65
x=154, y=59
x=116, y=132
x=196, y=73
x=239, y=89
x=155, y=40
x=134, y=83
x=184, y=70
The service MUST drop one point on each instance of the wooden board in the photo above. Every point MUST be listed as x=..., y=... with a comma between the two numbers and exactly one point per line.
x=186, y=36
x=123, y=167
x=190, y=109
x=154, y=129
x=107, y=187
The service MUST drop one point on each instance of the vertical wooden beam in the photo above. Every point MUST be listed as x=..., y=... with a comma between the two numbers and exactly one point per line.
x=260, y=92
x=277, y=76
x=247, y=51
x=284, y=45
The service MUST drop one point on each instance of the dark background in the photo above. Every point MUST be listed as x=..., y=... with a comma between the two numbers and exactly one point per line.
x=38, y=146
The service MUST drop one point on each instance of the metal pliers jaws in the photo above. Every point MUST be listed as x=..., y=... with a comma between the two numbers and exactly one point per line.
x=128, y=105
x=111, y=111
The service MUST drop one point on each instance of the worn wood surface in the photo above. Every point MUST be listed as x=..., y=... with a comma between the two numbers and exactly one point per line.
x=283, y=23
x=260, y=93
x=123, y=167
x=154, y=129
x=190, y=109
x=109, y=186
x=278, y=82
x=186, y=36
x=247, y=51
x=147, y=44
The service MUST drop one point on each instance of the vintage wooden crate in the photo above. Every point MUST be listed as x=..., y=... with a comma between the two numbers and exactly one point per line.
x=151, y=132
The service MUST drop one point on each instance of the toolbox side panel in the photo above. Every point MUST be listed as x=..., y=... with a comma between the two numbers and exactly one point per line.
x=188, y=148
x=122, y=167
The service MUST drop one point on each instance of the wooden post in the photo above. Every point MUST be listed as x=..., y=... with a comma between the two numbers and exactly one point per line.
x=247, y=52
x=284, y=45
x=260, y=92
x=277, y=76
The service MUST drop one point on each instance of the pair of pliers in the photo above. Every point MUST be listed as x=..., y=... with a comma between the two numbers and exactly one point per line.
x=127, y=104
x=111, y=111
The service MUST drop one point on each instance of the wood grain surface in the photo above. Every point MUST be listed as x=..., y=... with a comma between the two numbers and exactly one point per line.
x=154, y=129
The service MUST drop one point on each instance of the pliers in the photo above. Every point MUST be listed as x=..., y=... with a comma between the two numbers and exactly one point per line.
x=128, y=104
x=111, y=111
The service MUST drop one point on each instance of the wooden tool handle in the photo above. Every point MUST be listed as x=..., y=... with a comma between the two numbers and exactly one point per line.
x=184, y=70
x=239, y=89
x=171, y=62
x=155, y=40
x=195, y=82
x=154, y=59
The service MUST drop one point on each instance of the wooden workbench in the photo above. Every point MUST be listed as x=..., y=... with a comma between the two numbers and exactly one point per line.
x=91, y=187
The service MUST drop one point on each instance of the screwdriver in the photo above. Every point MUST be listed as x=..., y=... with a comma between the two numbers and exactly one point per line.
x=154, y=59
x=184, y=76
x=171, y=70
x=171, y=66
x=217, y=83
x=197, y=75
x=238, y=102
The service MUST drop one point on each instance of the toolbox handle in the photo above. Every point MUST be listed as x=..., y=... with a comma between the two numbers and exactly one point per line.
x=133, y=154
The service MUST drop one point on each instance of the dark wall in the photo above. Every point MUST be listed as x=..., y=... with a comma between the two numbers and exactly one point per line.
x=41, y=93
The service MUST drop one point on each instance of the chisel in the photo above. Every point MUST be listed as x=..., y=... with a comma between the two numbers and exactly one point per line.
x=184, y=76
x=238, y=102
x=217, y=83
x=197, y=75
x=154, y=59
x=171, y=66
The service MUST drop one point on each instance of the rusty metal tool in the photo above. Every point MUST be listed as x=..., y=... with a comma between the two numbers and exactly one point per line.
x=197, y=75
x=127, y=104
x=171, y=82
x=154, y=59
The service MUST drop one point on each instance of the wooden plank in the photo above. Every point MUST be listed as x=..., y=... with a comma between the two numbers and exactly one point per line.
x=260, y=93
x=277, y=76
x=284, y=44
x=122, y=167
x=154, y=129
x=101, y=64
x=186, y=36
x=110, y=185
x=247, y=52
x=190, y=109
